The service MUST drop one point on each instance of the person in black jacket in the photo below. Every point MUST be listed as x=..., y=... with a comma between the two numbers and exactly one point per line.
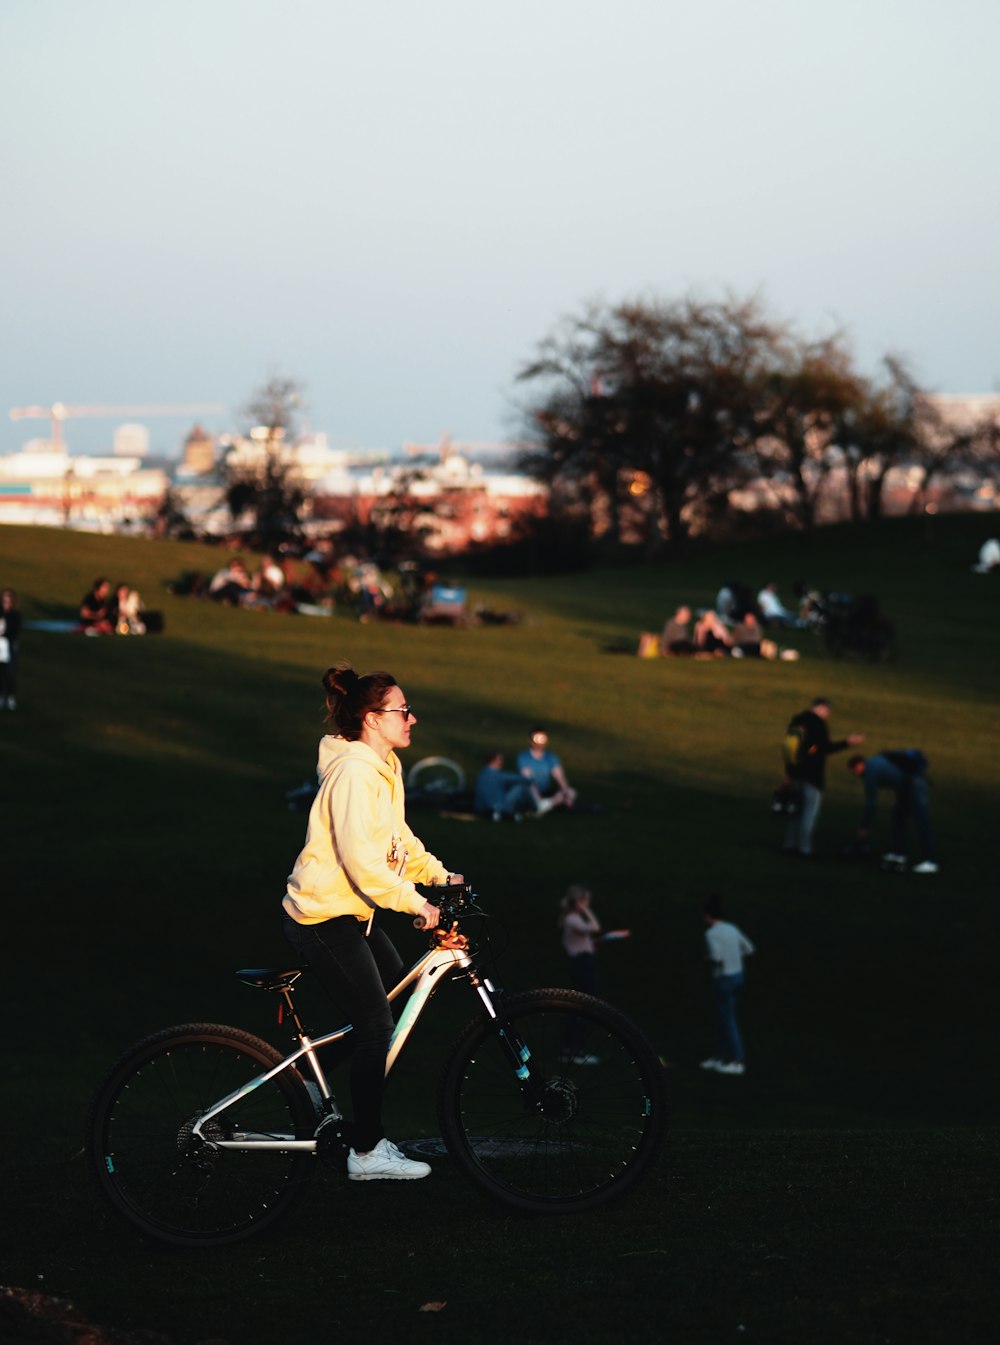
x=807, y=746
x=10, y=629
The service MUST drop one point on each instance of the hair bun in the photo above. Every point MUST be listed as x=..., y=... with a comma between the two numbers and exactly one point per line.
x=340, y=679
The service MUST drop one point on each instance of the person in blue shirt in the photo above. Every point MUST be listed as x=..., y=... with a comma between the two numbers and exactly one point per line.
x=545, y=771
x=501, y=793
x=904, y=774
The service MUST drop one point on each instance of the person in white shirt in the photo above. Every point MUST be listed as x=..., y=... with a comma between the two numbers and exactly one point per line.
x=772, y=610
x=727, y=947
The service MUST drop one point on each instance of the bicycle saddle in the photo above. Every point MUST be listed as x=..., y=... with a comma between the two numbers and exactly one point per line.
x=271, y=978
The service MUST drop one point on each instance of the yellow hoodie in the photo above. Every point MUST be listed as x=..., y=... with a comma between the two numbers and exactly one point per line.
x=359, y=853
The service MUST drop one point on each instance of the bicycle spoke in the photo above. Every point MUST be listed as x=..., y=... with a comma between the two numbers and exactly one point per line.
x=166, y=1180
x=580, y=1128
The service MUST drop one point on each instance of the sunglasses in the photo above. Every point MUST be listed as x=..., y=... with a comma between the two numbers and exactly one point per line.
x=405, y=710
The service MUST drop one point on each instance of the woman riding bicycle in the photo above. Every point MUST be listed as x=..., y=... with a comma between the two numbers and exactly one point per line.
x=359, y=855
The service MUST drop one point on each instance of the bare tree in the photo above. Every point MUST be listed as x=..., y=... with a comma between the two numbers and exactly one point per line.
x=799, y=406
x=949, y=439
x=267, y=483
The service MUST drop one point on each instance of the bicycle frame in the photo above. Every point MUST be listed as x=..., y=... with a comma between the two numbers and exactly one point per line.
x=426, y=974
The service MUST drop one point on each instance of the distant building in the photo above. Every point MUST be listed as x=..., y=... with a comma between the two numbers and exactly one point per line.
x=199, y=452
x=131, y=441
x=98, y=494
x=453, y=501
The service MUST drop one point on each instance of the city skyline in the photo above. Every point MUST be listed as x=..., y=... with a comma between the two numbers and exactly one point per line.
x=395, y=205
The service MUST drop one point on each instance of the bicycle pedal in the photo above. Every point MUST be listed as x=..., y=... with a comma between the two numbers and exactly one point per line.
x=334, y=1137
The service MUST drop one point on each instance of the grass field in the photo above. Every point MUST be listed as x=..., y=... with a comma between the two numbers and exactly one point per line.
x=844, y=1190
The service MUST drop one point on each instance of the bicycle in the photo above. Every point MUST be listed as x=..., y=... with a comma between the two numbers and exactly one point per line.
x=204, y=1134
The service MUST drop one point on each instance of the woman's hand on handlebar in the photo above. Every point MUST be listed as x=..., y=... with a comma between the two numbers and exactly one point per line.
x=455, y=879
x=427, y=917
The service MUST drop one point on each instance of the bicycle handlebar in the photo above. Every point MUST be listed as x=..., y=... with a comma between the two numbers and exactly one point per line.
x=453, y=901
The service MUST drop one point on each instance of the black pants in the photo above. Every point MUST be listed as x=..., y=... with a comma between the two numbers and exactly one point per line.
x=8, y=675
x=583, y=975
x=356, y=972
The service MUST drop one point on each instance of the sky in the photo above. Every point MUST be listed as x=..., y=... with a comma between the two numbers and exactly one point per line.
x=394, y=201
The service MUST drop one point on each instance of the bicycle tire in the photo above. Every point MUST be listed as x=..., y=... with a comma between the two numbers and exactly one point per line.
x=436, y=775
x=598, y=1125
x=157, y=1176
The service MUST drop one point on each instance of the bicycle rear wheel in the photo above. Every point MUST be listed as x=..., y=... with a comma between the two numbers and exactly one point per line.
x=173, y=1186
x=583, y=1125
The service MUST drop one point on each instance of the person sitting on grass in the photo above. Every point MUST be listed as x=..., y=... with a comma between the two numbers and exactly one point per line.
x=231, y=585
x=676, y=638
x=772, y=610
x=746, y=637
x=545, y=771
x=123, y=612
x=711, y=639
x=95, y=618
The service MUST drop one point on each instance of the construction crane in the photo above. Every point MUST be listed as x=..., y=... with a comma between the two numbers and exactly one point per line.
x=57, y=413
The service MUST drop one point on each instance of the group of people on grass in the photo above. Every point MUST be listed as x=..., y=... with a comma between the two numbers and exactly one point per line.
x=234, y=586
x=317, y=581
x=735, y=627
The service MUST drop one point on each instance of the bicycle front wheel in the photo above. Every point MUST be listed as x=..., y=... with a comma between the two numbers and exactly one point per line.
x=557, y=1107
x=180, y=1188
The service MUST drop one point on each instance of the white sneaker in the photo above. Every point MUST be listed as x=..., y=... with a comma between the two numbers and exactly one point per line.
x=384, y=1162
x=11, y=703
x=544, y=806
x=733, y=1067
x=711, y=1064
x=928, y=866
x=893, y=859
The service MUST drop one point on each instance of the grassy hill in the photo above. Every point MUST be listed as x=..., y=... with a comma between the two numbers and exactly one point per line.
x=147, y=843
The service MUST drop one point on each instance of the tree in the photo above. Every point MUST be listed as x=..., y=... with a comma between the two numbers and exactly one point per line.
x=265, y=482
x=648, y=395
x=950, y=438
x=800, y=407
x=875, y=435
x=399, y=524
x=651, y=415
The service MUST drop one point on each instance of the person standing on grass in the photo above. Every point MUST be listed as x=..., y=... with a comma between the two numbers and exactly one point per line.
x=10, y=630
x=360, y=858
x=727, y=947
x=580, y=929
x=579, y=926
x=807, y=746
